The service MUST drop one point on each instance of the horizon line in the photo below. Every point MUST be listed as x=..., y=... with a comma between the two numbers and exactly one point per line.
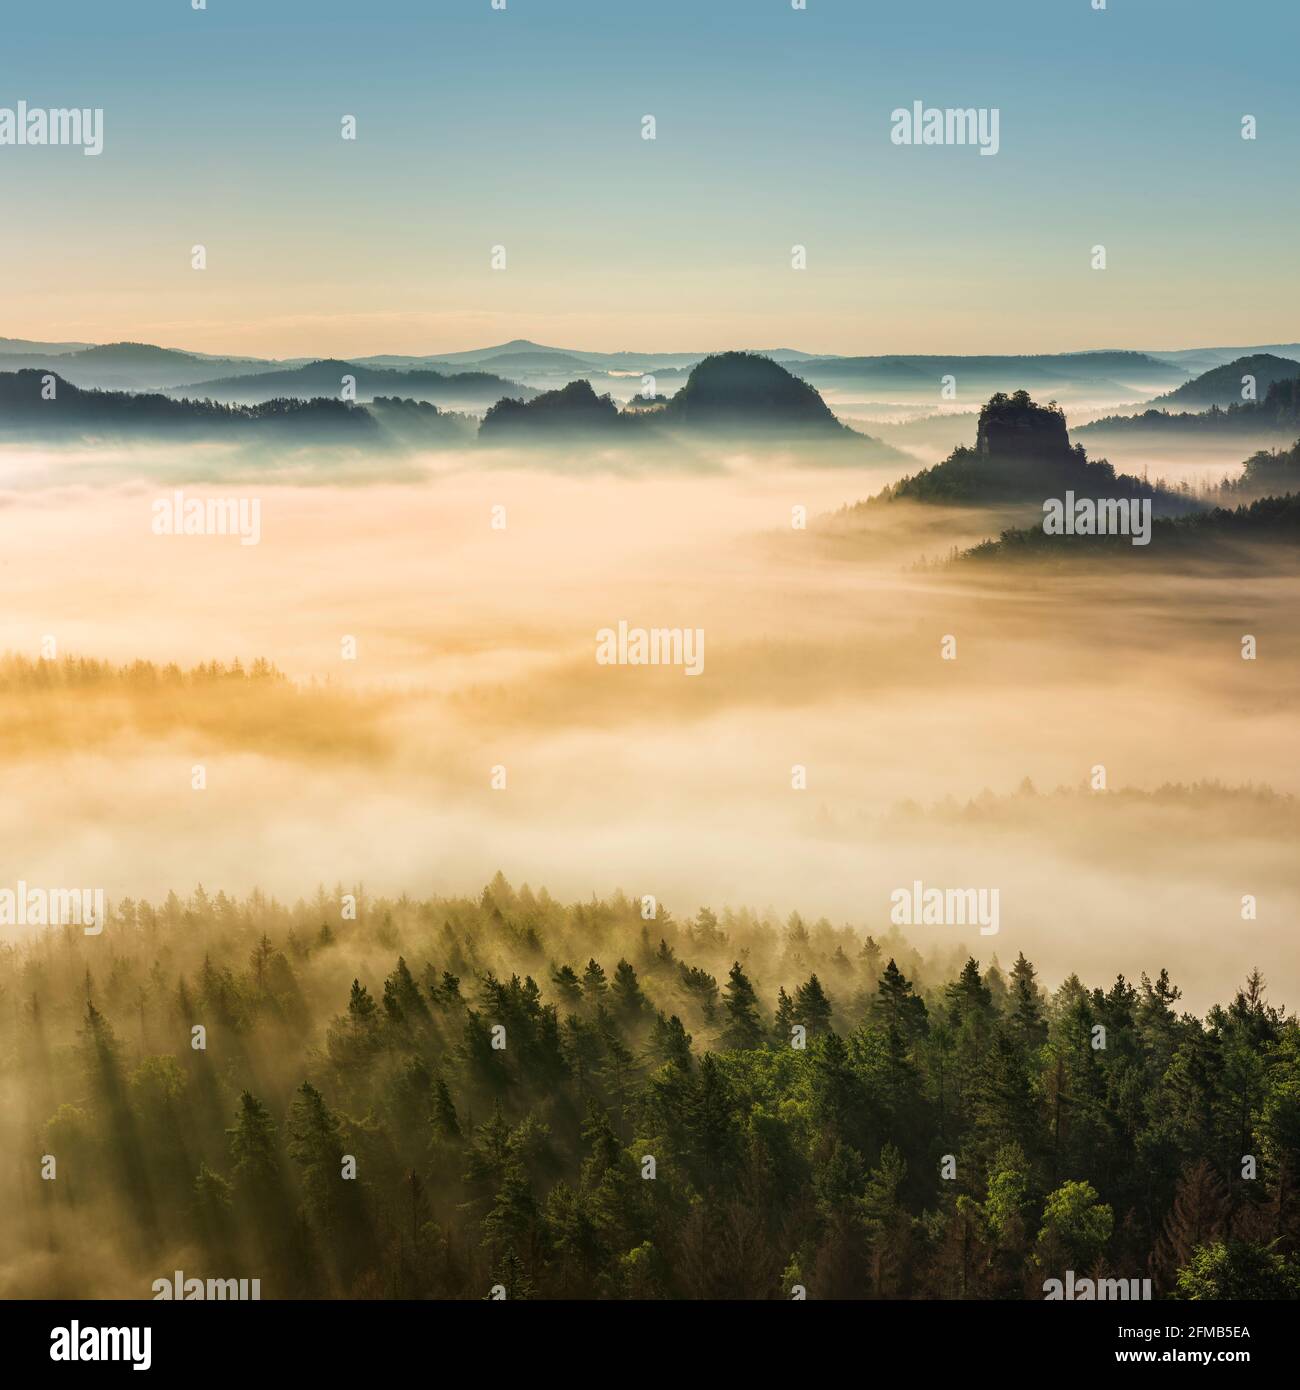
x=83, y=344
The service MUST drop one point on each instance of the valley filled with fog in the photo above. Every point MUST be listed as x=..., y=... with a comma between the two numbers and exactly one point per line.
x=474, y=588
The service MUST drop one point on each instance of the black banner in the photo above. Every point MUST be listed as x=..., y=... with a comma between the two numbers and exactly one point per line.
x=167, y=1339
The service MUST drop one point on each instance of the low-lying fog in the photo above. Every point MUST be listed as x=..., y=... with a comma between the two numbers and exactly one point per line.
x=476, y=649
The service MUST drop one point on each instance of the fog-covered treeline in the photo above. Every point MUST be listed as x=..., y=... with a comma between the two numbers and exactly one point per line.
x=583, y=1101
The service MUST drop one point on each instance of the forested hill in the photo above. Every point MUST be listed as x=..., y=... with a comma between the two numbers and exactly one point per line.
x=733, y=390
x=583, y=1101
x=39, y=405
x=571, y=410
x=729, y=395
x=1023, y=454
x=326, y=378
x=43, y=405
x=1223, y=386
x=1220, y=533
x=1278, y=410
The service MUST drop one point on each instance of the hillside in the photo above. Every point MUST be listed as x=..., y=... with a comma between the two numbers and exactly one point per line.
x=73, y=412
x=526, y=1166
x=574, y=409
x=1023, y=454
x=130, y=366
x=1110, y=376
x=325, y=378
x=1219, y=533
x=1279, y=411
x=1223, y=386
x=742, y=391
x=731, y=394
x=10, y=346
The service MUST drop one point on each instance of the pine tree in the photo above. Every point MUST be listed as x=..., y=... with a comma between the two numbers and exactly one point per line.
x=352, y=1039
x=897, y=1006
x=670, y=1042
x=628, y=997
x=742, y=1029
x=968, y=996
x=511, y=1276
x=252, y=1142
x=594, y=983
x=706, y=933
x=888, y=1225
x=812, y=1008
x=259, y=960
x=566, y=980
x=445, y=1123
x=514, y=1222
x=785, y=1018
x=211, y=1195
x=869, y=955
x=334, y=1204
x=403, y=1002
x=1026, y=1005
x=714, y=1134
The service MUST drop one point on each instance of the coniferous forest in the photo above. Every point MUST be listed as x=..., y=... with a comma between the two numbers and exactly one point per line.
x=430, y=1099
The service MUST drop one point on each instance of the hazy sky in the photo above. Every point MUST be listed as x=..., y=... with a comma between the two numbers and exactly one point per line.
x=522, y=128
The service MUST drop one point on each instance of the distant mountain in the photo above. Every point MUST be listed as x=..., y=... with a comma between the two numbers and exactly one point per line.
x=500, y=349
x=1197, y=360
x=462, y=390
x=1101, y=375
x=551, y=363
x=27, y=345
x=873, y=373
x=1023, y=455
x=732, y=395
x=131, y=366
x=134, y=355
x=1278, y=413
x=547, y=356
x=74, y=413
x=1217, y=533
x=740, y=391
x=1223, y=386
x=573, y=410
x=537, y=357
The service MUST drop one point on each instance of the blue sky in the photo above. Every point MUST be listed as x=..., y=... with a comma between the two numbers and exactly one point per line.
x=521, y=128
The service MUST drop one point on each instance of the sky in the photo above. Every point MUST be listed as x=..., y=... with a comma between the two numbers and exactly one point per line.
x=522, y=128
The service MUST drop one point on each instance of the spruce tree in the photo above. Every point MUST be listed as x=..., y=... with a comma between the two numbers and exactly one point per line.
x=742, y=1029
x=812, y=1008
